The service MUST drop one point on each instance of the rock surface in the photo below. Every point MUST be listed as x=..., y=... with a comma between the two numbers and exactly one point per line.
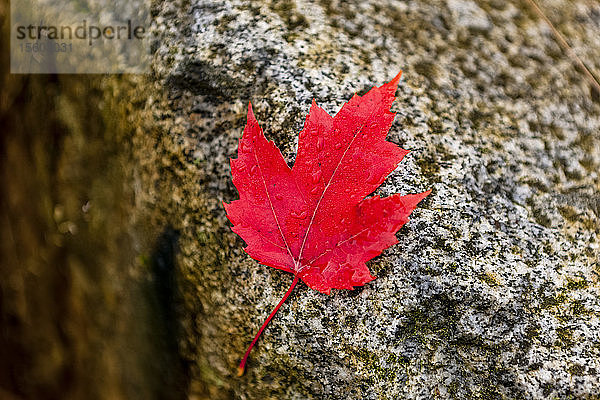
x=493, y=290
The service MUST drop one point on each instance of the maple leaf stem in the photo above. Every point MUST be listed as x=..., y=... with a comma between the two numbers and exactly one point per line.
x=242, y=365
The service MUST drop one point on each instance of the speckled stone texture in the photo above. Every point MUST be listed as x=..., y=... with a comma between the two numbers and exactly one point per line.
x=493, y=290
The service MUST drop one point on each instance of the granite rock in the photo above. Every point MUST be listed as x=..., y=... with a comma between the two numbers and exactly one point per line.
x=493, y=290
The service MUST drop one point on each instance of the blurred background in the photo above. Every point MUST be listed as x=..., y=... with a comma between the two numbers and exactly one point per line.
x=86, y=294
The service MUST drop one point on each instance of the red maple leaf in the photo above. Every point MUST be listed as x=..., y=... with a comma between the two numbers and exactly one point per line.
x=313, y=220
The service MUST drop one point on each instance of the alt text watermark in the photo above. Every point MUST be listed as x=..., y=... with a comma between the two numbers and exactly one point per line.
x=69, y=36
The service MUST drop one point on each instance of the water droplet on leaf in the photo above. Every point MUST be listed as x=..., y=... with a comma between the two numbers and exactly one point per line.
x=374, y=178
x=316, y=175
x=299, y=215
x=320, y=142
